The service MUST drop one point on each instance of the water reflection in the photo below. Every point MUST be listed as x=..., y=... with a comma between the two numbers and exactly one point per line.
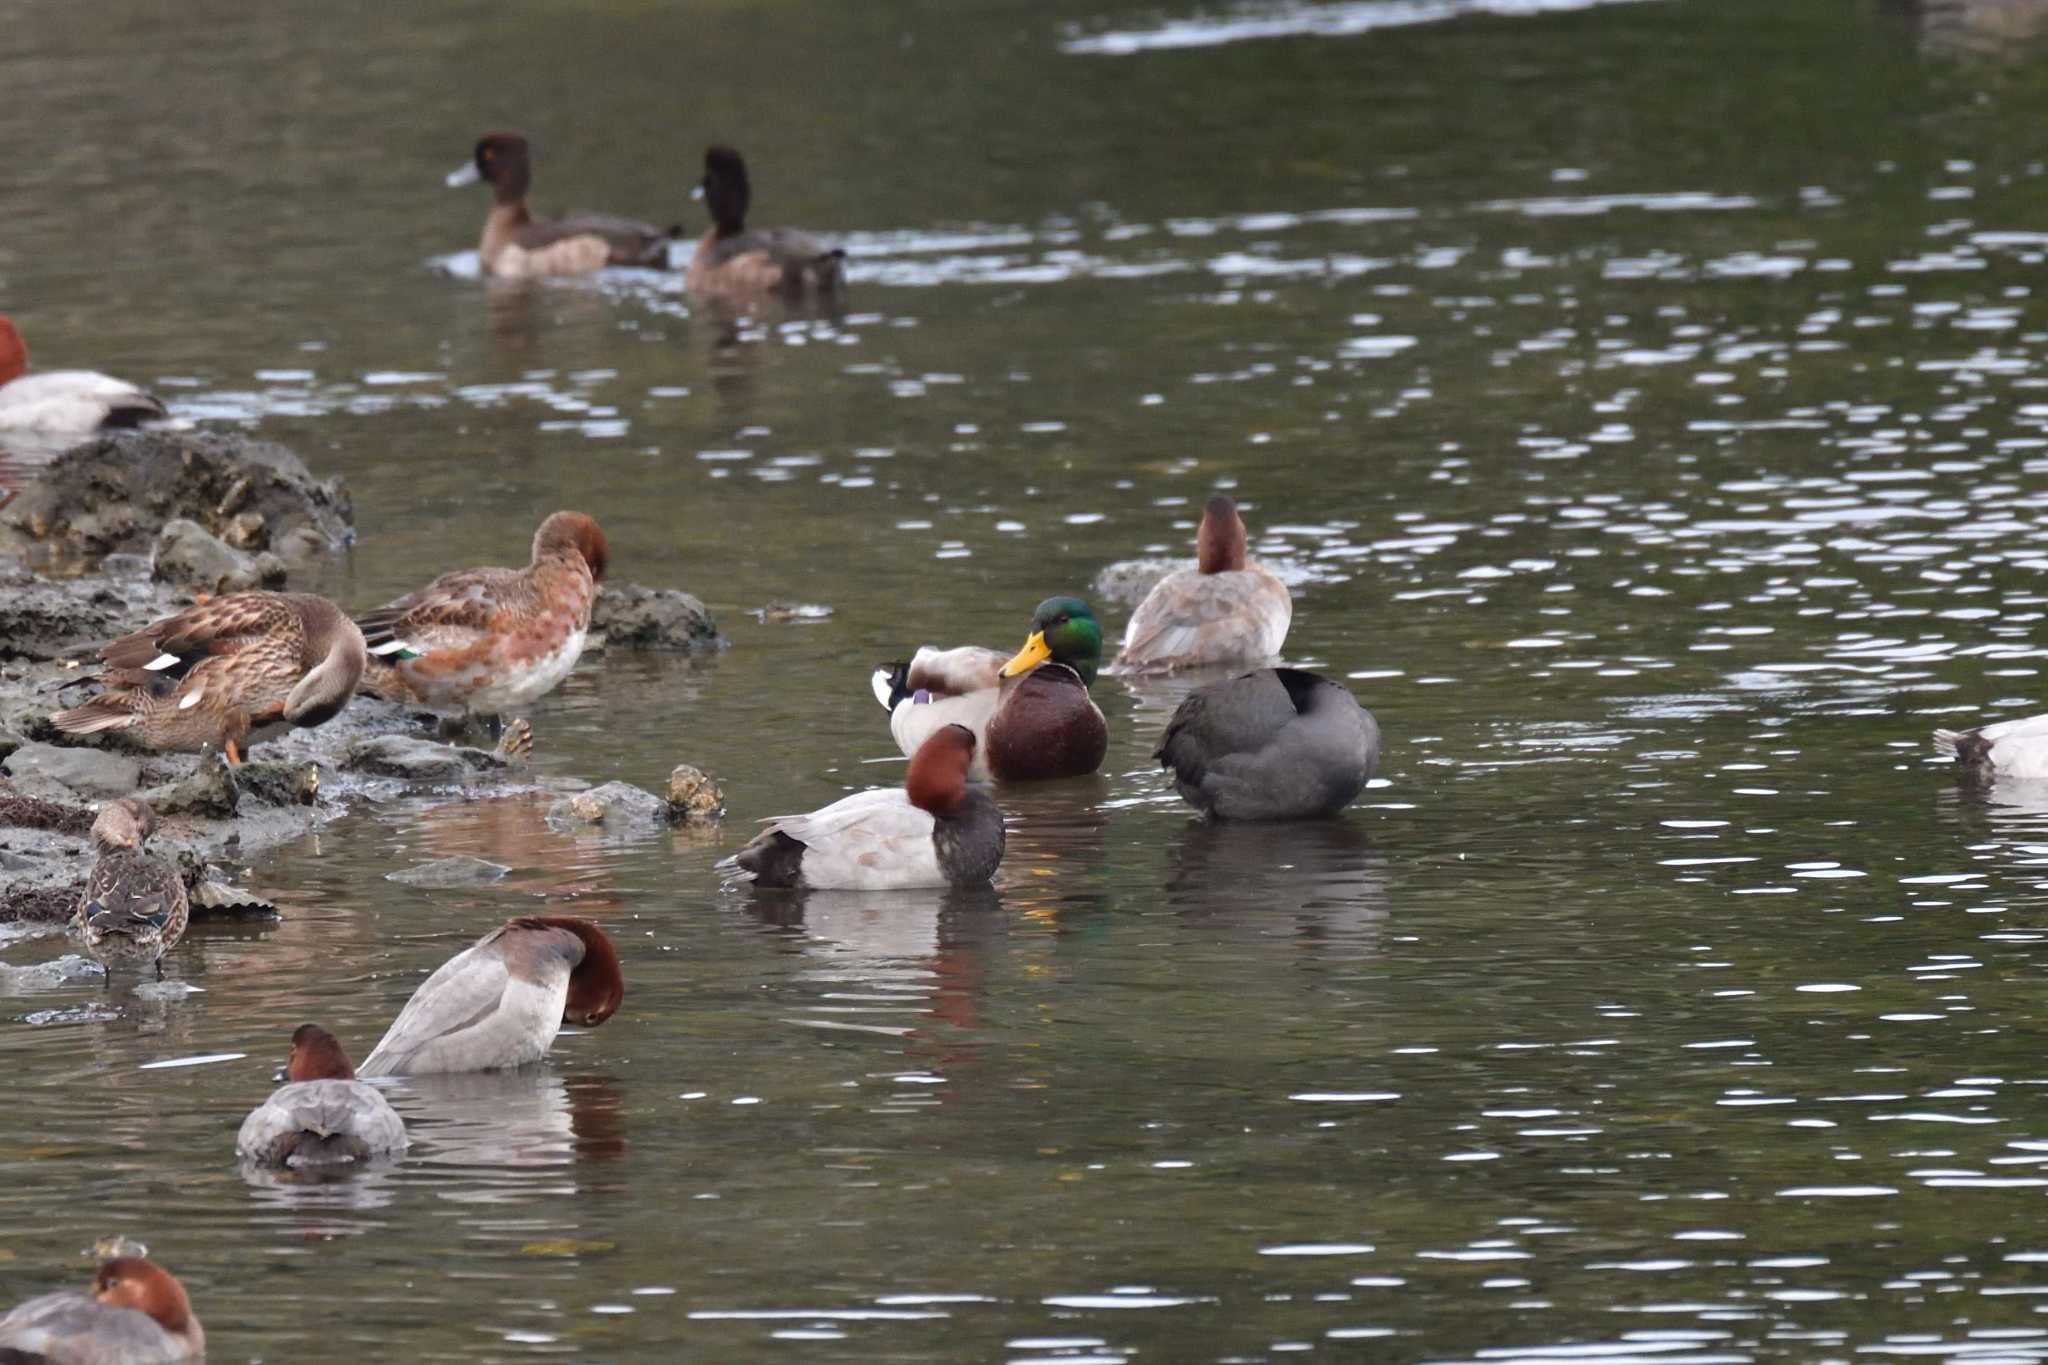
x=1324, y=874
x=529, y=1120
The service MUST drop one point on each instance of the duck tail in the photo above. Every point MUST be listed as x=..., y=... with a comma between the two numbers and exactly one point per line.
x=891, y=684
x=1948, y=742
x=107, y=711
x=1967, y=747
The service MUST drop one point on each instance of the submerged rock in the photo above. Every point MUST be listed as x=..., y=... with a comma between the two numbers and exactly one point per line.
x=694, y=796
x=188, y=554
x=462, y=870
x=632, y=617
x=615, y=805
x=89, y=772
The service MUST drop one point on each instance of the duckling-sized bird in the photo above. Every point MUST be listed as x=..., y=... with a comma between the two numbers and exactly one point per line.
x=134, y=908
x=1222, y=611
x=516, y=245
x=492, y=639
x=500, y=1003
x=322, y=1115
x=732, y=259
x=1030, y=712
x=1275, y=744
x=65, y=404
x=934, y=830
x=136, y=1314
x=2013, y=749
x=212, y=673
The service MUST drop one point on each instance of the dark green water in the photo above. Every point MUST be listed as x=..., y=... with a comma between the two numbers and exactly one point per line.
x=1649, y=403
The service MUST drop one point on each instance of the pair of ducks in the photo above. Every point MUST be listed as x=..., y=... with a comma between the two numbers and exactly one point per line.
x=233, y=667
x=731, y=259
x=1271, y=744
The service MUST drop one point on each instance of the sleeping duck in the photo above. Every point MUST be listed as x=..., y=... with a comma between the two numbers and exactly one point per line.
x=934, y=830
x=1222, y=611
x=322, y=1115
x=1275, y=744
x=1030, y=712
x=2015, y=749
x=65, y=405
x=517, y=245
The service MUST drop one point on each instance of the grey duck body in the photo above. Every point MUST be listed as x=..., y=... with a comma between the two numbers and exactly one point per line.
x=1273, y=744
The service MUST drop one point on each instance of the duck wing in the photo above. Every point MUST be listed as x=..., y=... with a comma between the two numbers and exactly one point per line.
x=872, y=840
x=452, y=612
x=1192, y=618
x=170, y=648
x=70, y=1326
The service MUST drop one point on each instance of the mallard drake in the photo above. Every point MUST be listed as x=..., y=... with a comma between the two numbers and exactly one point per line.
x=322, y=1115
x=65, y=404
x=1030, y=712
x=492, y=639
x=1222, y=611
x=517, y=245
x=2015, y=749
x=934, y=830
x=1275, y=744
x=134, y=907
x=501, y=1002
x=212, y=673
x=732, y=259
x=136, y=1314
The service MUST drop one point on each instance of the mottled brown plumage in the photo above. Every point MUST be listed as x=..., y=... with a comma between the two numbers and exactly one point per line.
x=134, y=908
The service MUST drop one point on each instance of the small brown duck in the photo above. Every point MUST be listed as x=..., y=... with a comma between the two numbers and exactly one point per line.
x=134, y=908
x=213, y=673
x=517, y=245
x=1222, y=611
x=731, y=259
x=136, y=1314
x=322, y=1115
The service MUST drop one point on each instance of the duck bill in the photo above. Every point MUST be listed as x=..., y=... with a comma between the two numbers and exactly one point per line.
x=465, y=174
x=1034, y=653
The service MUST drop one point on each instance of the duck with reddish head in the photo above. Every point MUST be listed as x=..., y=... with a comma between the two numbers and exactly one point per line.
x=1226, y=610
x=322, y=1116
x=135, y=1314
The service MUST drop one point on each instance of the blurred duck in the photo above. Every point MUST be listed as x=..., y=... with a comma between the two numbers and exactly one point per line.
x=136, y=1314
x=323, y=1115
x=1222, y=611
x=1276, y=744
x=212, y=673
x=932, y=831
x=1029, y=713
x=731, y=259
x=134, y=908
x=65, y=404
x=492, y=639
x=500, y=1003
x=2013, y=749
x=516, y=245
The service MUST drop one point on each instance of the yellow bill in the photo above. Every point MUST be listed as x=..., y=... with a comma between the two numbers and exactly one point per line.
x=1035, y=652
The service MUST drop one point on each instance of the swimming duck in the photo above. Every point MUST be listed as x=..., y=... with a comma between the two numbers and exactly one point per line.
x=492, y=639
x=322, y=1115
x=65, y=404
x=1275, y=744
x=1030, y=712
x=2015, y=749
x=1222, y=611
x=516, y=245
x=212, y=673
x=136, y=1314
x=932, y=831
x=500, y=1003
x=730, y=259
x=134, y=907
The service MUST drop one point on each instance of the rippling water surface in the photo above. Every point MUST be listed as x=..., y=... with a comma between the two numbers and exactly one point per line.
x=1648, y=405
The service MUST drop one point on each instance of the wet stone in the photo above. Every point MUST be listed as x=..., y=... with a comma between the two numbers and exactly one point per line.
x=632, y=617
x=462, y=870
x=89, y=772
x=188, y=554
x=211, y=790
x=416, y=760
x=694, y=795
x=616, y=805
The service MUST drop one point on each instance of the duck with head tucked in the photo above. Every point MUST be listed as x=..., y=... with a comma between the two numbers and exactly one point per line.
x=211, y=674
x=733, y=259
x=65, y=405
x=500, y=1003
x=516, y=245
x=490, y=640
x=136, y=1314
x=1275, y=744
x=934, y=830
x=1223, y=611
x=322, y=1115
x=134, y=907
x=1030, y=712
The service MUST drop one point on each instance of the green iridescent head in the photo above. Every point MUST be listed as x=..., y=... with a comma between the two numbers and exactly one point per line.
x=1064, y=630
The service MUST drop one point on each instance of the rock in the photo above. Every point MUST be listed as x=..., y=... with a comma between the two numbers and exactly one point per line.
x=118, y=490
x=43, y=618
x=458, y=871
x=211, y=791
x=1128, y=580
x=632, y=617
x=38, y=904
x=616, y=805
x=416, y=760
x=279, y=784
x=776, y=613
x=26, y=812
x=188, y=554
x=89, y=772
x=694, y=795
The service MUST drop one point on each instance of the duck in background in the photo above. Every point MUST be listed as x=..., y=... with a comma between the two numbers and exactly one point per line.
x=516, y=245
x=489, y=640
x=501, y=1002
x=1222, y=611
x=2012, y=749
x=1030, y=713
x=732, y=259
x=134, y=908
x=65, y=405
x=323, y=1115
x=934, y=830
x=136, y=1314
x=213, y=673
x=1275, y=744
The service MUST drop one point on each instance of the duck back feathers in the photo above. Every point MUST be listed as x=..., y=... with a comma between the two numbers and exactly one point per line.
x=1274, y=744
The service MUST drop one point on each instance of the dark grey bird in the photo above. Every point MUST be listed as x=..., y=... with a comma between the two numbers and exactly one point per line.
x=1273, y=744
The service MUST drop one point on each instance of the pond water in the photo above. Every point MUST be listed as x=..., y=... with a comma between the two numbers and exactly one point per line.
x=1648, y=404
